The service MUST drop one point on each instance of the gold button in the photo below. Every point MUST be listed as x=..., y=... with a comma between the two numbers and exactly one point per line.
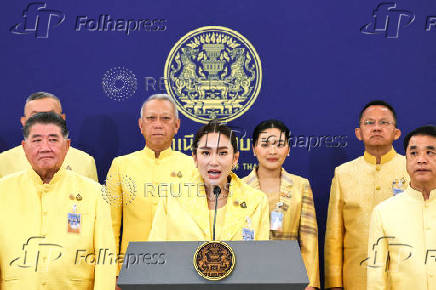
x=378, y=187
x=377, y=168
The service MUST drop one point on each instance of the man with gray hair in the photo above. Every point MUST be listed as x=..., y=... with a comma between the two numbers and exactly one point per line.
x=53, y=219
x=157, y=164
x=14, y=160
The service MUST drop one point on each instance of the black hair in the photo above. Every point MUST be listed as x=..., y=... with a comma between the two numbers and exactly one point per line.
x=429, y=130
x=45, y=118
x=380, y=103
x=215, y=127
x=267, y=124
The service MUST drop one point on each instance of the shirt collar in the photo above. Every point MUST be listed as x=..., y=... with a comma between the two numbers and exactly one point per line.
x=285, y=182
x=417, y=195
x=151, y=154
x=385, y=158
x=36, y=179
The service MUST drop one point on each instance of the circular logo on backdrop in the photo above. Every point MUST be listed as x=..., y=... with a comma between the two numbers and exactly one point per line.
x=214, y=260
x=213, y=72
x=119, y=83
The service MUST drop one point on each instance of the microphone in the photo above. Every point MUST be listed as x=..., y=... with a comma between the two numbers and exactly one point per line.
x=217, y=192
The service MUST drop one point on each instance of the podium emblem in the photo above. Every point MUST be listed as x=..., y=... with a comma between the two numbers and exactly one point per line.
x=213, y=72
x=214, y=260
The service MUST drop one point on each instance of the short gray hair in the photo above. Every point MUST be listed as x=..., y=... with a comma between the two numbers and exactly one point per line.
x=163, y=97
x=42, y=95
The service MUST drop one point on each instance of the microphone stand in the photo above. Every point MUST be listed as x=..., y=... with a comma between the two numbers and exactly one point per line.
x=216, y=191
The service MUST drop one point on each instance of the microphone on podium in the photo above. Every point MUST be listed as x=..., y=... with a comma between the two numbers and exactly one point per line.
x=217, y=192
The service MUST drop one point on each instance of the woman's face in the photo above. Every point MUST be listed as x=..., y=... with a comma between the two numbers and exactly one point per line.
x=271, y=148
x=215, y=158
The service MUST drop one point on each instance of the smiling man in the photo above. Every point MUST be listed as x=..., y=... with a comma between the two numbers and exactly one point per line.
x=135, y=182
x=48, y=214
x=357, y=187
x=14, y=160
x=402, y=237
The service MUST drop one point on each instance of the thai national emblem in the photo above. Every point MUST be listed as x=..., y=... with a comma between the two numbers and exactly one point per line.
x=213, y=73
x=214, y=260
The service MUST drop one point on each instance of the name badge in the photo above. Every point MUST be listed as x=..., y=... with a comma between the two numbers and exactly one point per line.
x=276, y=220
x=74, y=223
x=247, y=234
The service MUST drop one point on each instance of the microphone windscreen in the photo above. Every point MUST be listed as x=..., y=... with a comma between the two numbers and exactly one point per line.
x=216, y=190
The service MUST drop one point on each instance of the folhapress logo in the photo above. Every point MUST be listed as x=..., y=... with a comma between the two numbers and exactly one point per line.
x=388, y=20
x=38, y=20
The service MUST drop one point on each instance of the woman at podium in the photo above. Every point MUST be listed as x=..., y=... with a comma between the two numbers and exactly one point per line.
x=292, y=212
x=214, y=195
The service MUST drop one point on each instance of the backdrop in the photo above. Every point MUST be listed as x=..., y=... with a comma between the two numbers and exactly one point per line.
x=317, y=64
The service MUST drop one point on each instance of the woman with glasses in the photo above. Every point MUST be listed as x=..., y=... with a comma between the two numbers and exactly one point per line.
x=292, y=212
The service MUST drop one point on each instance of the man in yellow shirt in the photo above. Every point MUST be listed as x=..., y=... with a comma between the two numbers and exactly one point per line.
x=135, y=182
x=402, y=237
x=55, y=226
x=14, y=160
x=357, y=187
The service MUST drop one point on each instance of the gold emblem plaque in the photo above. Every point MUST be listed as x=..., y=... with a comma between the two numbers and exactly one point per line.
x=214, y=260
x=213, y=72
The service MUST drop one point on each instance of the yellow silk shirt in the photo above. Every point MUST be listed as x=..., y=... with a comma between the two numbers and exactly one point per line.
x=14, y=160
x=402, y=243
x=357, y=187
x=37, y=250
x=186, y=218
x=299, y=221
x=135, y=183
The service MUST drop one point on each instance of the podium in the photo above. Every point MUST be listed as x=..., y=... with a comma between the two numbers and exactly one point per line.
x=169, y=265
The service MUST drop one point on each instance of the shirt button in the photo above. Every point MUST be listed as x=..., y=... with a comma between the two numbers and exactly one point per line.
x=44, y=213
x=378, y=187
x=378, y=168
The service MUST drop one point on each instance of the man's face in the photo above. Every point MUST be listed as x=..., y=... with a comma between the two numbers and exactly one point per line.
x=45, y=147
x=377, y=127
x=158, y=124
x=41, y=105
x=421, y=160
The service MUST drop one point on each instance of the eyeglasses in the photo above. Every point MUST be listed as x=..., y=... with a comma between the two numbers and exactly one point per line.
x=381, y=123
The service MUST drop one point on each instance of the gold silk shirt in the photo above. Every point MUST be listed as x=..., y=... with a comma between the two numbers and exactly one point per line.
x=37, y=248
x=402, y=243
x=357, y=187
x=299, y=220
x=14, y=160
x=186, y=217
x=135, y=183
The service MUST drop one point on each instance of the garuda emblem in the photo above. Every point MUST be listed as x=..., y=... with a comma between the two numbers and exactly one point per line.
x=213, y=73
x=214, y=260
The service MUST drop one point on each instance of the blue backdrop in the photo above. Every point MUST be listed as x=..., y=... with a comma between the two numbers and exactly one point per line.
x=321, y=62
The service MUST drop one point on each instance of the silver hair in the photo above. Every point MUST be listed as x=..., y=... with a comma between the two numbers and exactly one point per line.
x=164, y=97
x=42, y=95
